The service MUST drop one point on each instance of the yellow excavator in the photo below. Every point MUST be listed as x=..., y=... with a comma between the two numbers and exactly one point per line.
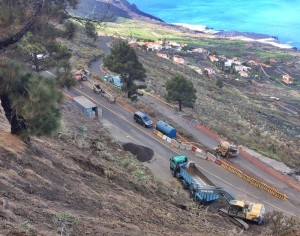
x=225, y=149
x=240, y=210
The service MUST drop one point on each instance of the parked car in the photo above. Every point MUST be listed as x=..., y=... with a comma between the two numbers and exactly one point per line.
x=142, y=119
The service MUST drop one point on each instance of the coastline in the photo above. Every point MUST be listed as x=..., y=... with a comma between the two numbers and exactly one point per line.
x=245, y=36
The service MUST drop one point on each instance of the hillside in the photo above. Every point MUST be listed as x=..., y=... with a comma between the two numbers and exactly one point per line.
x=83, y=182
x=111, y=10
x=242, y=111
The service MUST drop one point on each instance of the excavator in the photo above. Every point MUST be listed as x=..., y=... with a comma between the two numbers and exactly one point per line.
x=225, y=149
x=240, y=211
x=203, y=191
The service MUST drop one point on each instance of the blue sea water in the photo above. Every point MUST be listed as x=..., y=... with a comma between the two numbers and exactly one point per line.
x=279, y=18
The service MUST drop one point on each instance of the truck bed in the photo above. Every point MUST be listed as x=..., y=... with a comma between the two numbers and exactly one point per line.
x=196, y=174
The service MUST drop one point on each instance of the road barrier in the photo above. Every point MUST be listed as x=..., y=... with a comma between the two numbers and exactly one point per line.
x=182, y=146
x=188, y=147
x=253, y=181
x=175, y=143
x=208, y=156
x=201, y=155
x=211, y=157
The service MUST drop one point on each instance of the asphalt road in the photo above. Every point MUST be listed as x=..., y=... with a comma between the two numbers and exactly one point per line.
x=209, y=142
x=120, y=124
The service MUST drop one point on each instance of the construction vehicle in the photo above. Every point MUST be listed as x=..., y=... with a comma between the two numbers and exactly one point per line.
x=97, y=88
x=203, y=191
x=244, y=210
x=225, y=149
x=82, y=75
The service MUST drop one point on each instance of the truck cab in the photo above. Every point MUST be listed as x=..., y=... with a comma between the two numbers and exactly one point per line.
x=175, y=163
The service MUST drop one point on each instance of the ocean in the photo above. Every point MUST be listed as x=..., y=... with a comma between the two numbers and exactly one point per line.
x=280, y=18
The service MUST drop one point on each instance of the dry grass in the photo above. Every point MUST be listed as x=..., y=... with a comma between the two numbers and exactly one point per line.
x=239, y=111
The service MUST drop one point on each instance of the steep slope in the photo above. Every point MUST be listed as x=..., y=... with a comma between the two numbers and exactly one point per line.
x=109, y=11
x=82, y=182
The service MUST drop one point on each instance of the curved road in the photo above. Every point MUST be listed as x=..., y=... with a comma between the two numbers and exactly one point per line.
x=120, y=124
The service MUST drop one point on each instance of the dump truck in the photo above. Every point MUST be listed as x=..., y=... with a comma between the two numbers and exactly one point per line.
x=203, y=191
x=225, y=149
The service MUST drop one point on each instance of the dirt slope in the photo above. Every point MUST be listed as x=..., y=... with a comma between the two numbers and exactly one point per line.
x=82, y=182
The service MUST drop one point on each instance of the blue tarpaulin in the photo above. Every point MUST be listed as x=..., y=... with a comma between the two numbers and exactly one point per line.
x=116, y=80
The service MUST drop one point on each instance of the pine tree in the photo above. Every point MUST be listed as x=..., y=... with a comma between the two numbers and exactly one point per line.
x=181, y=90
x=124, y=61
x=28, y=40
x=91, y=30
x=30, y=101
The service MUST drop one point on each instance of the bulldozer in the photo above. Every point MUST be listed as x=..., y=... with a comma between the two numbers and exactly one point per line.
x=241, y=210
x=225, y=149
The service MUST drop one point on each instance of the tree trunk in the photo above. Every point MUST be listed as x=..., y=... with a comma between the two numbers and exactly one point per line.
x=4, y=43
x=179, y=103
x=17, y=123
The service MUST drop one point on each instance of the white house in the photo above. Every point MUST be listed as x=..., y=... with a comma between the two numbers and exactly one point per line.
x=241, y=68
x=155, y=46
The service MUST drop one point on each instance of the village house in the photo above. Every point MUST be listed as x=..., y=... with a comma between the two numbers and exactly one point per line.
x=154, y=46
x=237, y=62
x=223, y=57
x=163, y=55
x=200, y=50
x=198, y=70
x=210, y=71
x=241, y=68
x=243, y=74
x=286, y=79
x=174, y=44
x=213, y=58
x=179, y=60
x=229, y=62
x=254, y=63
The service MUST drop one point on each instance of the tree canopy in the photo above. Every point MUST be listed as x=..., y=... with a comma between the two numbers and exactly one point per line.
x=181, y=90
x=124, y=61
x=30, y=33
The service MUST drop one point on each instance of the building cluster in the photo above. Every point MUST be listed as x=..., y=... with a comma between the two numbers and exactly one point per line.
x=218, y=61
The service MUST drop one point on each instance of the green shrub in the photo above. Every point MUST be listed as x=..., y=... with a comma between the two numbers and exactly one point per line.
x=140, y=174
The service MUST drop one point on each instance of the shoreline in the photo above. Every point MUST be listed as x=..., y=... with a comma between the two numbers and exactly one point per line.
x=244, y=36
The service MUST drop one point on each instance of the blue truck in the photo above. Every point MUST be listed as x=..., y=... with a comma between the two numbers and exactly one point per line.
x=201, y=189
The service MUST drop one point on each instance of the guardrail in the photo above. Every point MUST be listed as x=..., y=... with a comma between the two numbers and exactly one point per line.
x=253, y=181
x=210, y=157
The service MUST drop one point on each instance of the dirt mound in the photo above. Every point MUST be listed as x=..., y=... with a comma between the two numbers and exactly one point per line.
x=142, y=153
